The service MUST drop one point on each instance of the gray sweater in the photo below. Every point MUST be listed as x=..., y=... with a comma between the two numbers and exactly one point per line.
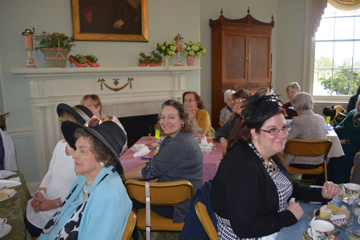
x=179, y=158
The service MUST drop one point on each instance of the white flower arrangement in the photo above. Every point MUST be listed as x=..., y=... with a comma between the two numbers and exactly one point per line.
x=193, y=49
x=167, y=49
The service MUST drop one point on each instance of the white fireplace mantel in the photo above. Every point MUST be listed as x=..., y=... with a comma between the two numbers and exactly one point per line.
x=50, y=86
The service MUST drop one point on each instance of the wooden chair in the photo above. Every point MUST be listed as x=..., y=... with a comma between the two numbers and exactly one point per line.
x=202, y=213
x=351, y=172
x=161, y=193
x=130, y=225
x=308, y=148
x=338, y=109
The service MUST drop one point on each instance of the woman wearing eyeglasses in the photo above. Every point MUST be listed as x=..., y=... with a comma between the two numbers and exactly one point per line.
x=195, y=106
x=307, y=126
x=222, y=134
x=252, y=188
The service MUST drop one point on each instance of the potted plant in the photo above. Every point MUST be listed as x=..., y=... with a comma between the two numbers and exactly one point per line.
x=167, y=49
x=55, y=47
x=192, y=50
x=92, y=60
x=143, y=60
x=155, y=59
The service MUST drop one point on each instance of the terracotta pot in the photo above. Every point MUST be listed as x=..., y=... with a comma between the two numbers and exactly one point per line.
x=155, y=64
x=143, y=64
x=190, y=60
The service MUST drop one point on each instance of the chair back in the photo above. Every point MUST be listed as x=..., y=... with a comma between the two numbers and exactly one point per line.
x=202, y=213
x=339, y=115
x=161, y=193
x=130, y=225
x=308, y=148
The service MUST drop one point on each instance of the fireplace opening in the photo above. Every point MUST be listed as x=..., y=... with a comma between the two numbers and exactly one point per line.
x=139, y=126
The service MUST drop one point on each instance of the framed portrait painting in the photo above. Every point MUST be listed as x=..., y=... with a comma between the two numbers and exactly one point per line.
x=110, y=20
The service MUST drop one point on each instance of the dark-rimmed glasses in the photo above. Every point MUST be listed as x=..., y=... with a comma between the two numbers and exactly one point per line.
x=276, y=131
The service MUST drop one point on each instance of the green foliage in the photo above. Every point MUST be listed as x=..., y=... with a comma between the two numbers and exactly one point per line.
x=51, y=40
x=341, y=80
x=79, y=58
x=92, y=58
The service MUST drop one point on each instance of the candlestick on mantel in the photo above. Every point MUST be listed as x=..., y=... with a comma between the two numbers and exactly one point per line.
x=29, y=46
x=178, y=44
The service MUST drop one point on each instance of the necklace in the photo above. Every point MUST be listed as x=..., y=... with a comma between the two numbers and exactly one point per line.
x=85, y=190
x=356, y=119
x=271, y=166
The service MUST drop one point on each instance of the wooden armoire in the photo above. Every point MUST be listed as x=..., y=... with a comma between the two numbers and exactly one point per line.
x=240, y=57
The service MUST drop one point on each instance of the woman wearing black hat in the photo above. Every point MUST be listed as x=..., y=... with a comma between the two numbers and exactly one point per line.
x=97, y=206
x=59, y=178
x=252, y=188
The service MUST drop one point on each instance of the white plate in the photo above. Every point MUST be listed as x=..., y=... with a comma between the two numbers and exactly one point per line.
x=137, y=147
x=5, y=231
x=8, y=193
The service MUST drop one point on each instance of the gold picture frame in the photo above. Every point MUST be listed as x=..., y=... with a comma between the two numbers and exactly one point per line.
x=93, y=20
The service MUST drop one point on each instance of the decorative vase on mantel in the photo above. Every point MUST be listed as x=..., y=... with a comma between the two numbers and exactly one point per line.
x=166, y=61
x=190, y=60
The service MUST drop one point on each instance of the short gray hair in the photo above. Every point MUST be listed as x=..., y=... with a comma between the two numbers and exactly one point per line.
x=303, y=101
x=228, y=92
x=293, y=85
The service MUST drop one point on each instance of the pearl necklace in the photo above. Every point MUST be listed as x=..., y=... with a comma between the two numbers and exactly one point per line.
x=271, y=166
x=356, y=119
x=85, y=190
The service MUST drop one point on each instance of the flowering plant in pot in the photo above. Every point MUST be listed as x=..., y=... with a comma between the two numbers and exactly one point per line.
x=155, y=59
x=143, y=60
x=167, y=49
x=192, y=50
x=55, y=47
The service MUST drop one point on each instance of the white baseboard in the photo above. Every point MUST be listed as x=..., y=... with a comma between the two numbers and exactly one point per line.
x=33, y=187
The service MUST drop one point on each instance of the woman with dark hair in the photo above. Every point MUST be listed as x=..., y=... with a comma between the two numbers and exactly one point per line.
x=195, y=106
x=97, y=206
x=61, y=175
x=179, y=157
x=252, y=188
x=222, y=134
x=352, y=101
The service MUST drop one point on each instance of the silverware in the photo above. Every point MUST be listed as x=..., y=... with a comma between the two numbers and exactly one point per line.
x=335, y=233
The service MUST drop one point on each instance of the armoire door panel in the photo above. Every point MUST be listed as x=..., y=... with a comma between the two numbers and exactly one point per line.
x=259, y=62
x=234, y=56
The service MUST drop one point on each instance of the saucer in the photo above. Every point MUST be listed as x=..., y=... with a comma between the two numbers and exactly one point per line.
x=305, y=236
x=343, y=197
x=5, y=231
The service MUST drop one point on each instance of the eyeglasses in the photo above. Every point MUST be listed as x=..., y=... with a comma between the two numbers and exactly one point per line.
x=238, y=101
x=276, y=131
x=190, y=100
x=89, y=105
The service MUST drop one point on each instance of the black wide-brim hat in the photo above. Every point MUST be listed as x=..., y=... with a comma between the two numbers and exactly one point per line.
x=80, y=112
x=261, y=106
x=109, y=133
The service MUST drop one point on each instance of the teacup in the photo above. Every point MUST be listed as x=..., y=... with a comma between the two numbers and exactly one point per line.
x=352, y=190
x=2, y=223
x=355, y=207
x=320, y=229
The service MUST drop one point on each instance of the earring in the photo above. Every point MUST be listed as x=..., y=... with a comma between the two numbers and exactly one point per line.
x=102, y=164
x=183, y=125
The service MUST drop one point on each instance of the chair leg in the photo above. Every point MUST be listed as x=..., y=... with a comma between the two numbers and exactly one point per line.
x=325, y=171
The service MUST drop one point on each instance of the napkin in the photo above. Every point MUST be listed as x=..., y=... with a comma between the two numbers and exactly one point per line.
x=204, y=142
x=13, y=182
x=5, y=173
x=143, y=151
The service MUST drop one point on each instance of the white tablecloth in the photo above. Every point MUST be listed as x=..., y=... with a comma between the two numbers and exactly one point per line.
x=336, y=148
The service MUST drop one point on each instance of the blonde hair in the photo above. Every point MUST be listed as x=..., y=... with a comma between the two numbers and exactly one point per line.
x=66, y=116
x=293, y=85
x=95, y=99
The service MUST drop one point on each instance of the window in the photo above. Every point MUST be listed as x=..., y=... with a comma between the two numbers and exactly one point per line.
x=337, y=53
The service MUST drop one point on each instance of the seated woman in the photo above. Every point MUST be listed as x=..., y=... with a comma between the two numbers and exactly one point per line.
x=349, y=133
x=59, y=178
x=7, y=153
x=195, y=106
x=179, y=157
x=227, y=111
x=352, y=101
x=308, y=126
x=292, y=89
x=252, y=188
x=222, y=134
x=92, y=102
x=97, y=206
x=356, y=174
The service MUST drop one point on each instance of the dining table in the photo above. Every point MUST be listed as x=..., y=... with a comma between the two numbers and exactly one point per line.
x=211, y=161
x=336, y=148
x=14, y=210
x=296, y=231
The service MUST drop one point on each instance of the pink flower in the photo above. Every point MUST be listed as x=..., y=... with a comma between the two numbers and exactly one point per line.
x=63, y=34
x=141, y=53
x=153, y=51
x=51, y=35
x=43, y=32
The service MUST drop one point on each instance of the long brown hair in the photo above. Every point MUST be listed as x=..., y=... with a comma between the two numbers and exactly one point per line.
x=197, y=98
x=241, y=135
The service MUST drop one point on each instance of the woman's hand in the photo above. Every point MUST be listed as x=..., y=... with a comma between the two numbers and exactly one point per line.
x=296, y=209
x=345, y=141
x=35, y=202
x=224, y=145
x=46, y=204
x=330, y=190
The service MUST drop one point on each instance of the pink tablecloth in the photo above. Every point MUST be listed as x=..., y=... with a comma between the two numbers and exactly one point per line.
x=211, y=161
